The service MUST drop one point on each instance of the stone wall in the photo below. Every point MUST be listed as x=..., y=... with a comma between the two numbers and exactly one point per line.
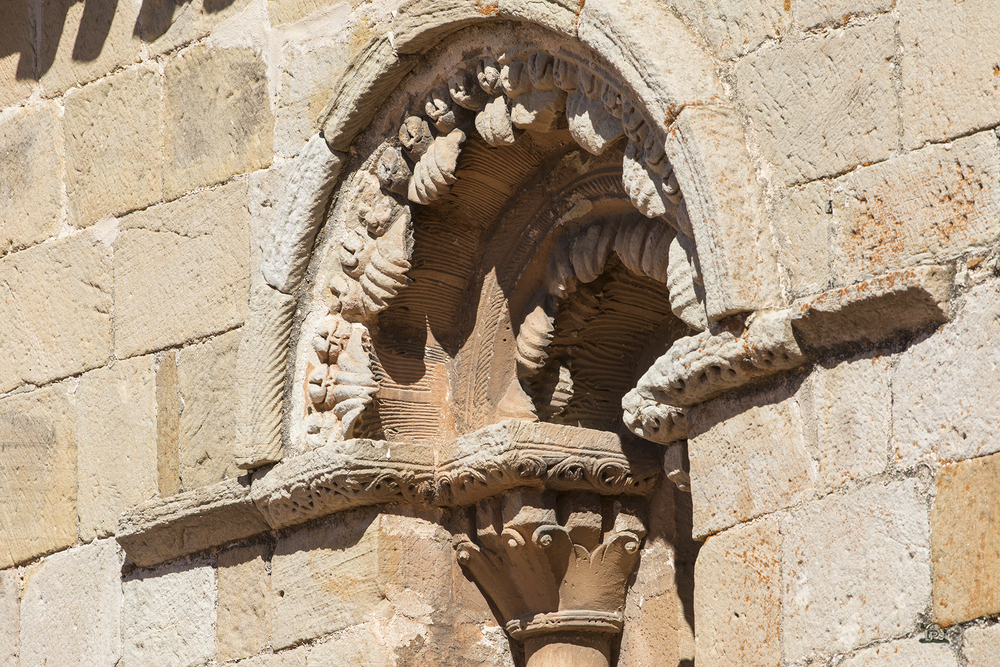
x=844, y=507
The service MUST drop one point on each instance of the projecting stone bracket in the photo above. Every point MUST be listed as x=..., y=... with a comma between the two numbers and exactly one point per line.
x=555, y=570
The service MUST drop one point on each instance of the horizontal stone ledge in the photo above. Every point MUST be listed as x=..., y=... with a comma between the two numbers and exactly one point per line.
x=357, y=473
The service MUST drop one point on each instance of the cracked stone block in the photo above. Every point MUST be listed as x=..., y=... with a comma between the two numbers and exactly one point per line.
x=243, y=623
x=37, y=473
x=359, y=646
x=17, y=59
x=904, y=653
x=965, y=541
x=737, y=600
x=71, y=609
x=819, y=105
x=855, y=569
x=115, y=426
x=182, y=270
x=10, y=616
x=814, y=13
x=166, y=25
x=733, y=28
x=30, y=188
x=981, y=646
x=169, y=616
x=206, y=377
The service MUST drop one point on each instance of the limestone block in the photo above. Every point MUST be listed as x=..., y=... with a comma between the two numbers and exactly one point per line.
x=243, y=625
x=206, y=148
x=181, y=270
x=292, y=658
x=855, y=569
x=749, y=456
x=931, y=204
x=324, y=578
x=10, y=614
x=945, y=391
x=812, y=13
x=904, y=653
x=803, y=231
x=37, y=473
x=733, y=28
x=948, y=87
x=71, y=609
x=82, y=42
x=116, y=443
x=168, y=409
x=290, y=11
x=206, y=376
x=412, y=545
x=169, y=616
x=819, y=105
x=981, y=646
x=30, y=189
x=54, y=310
x=166, y=25
x=359, y=646
x=17, y=56
x=114, y=145
x=965, y=541
x=737, y=600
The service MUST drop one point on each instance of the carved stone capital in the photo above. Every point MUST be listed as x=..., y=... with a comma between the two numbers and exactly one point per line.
x=554, y=569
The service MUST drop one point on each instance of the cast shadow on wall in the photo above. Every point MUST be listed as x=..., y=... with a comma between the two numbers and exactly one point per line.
x=19, y=23
x=156, y=16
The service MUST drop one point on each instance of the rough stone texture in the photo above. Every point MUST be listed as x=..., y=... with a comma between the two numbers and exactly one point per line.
x=243, y=625
x=291, y=658
x=337, y=560
x=114, y=145
x=202, y=149
x=206, y=375
x=934, y=424
x=17, y=53
x=54, y=310
x=904, y=653
x=10, y=613
x=290, y=11
x=843, y=561
x=30, y=189
x=116, y=443
x=733, y=28
x=812, y=13
x=737, y=599
x=71, y=609
x=749, y=456
x=168, y=409
x=169, y=616
x=931, y=204
x=37, y=473
x=802, y=232
x=167, y=24
x=948, y=87
x=981, y=646
x=359, y=646
x=81, y=42
x=965, y=541
x=808, y=122
x=181, y=270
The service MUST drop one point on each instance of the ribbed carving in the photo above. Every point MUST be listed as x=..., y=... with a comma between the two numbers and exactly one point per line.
x=494, y=125
x=644, y=189
x=533, y=340
x=687, y=294
x=642, y=246
x=385, y=273
x=354, y=383
x=435, y=173
x=260, y=365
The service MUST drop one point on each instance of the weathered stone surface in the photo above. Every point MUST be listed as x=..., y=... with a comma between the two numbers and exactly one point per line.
x=169, y=616
x=163, y=529
x=291, y=658
x=114, y=145
x=181, y=270
x=325, y=578
x=843, y=560
x=37, y=473
x=17, y=55
x=802, y=230
x=945, y=389
x=290, y=11
x=115, y=427
x=10, y=614
x=737, y=600
x=206, y=375
x=948, y=88
x=749, y=456
x=965, y=541
x=904, y=653
x=807, y=121
x=202, y=149
x=54, y=310
x=733, y=28
x=81, y=42
x=931, y=204
x=168, y=410
x=71, y=609
x=411, y=545
x=812, y=13
x=981, y=646
x=30, y=189
x=358, y=646
x=243, y=625
x=165, y=26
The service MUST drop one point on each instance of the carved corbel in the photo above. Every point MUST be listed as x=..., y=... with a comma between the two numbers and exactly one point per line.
x=555, y=570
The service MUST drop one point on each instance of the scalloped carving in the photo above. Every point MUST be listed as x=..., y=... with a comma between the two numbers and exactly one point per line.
x=435, y=173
